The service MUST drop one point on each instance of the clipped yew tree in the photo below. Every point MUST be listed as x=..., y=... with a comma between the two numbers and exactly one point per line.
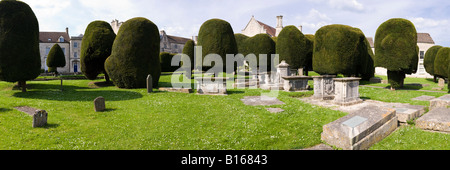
x=428, y=61
x=19, y=43
x=309, y=52
x=396, y=49
x=240, y=39
x=342, y=49
x=135, y=54
x=217, y=37
x=166, y=62
x=291, y=47
x=441, y=62
x=55, y=58
x=96, y=47
x=188, y=49
x=261, y=44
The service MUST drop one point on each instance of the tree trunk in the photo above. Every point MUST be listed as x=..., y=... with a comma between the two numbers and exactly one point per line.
x=23, y=84
x=107, y=78
x=435, y=79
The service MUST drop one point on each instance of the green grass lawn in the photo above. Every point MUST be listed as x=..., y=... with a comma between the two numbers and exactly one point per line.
x=136, y=120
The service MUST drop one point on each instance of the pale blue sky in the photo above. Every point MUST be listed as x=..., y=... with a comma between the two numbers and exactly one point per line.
x=184, y=17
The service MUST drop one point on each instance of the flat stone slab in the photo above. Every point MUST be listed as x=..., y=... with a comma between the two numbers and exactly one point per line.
x=179, y=90
x=261, y=101
x=39, y=116
x=424, y=98
x=406, y=114
x=360, y=129
x=441, y=102
x=274, y=110
x=435, y=120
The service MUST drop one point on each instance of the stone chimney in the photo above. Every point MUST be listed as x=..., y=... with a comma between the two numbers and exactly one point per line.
x=67, y=30
x=279, y=25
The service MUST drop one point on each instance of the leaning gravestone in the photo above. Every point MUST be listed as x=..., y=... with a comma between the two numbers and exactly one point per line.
x=149, y=84
x=360, y=129
x=99, y=104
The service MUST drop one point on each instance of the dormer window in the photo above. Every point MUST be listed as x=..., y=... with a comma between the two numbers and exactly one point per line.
x=49, y=40
x=61, y=39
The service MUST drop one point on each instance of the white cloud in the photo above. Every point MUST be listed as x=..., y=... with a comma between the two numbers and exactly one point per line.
x=313, y=20
x=351, y=5
x=421, y=23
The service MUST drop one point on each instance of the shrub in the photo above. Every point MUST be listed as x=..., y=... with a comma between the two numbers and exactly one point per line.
x=135, y=54
x=217, y=37
x=56, y=58
x=166, y=61
x=309, y=54
x=96, y=47
x=260, y=44
x=189, y=51
x=340, y=49
x=19, y=43
x=396, y=47
x=428, y=61
x=240, y=38
x=291, y=47
x=441, y=62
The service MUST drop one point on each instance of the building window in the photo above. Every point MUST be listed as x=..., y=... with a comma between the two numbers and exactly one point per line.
x=75, y=45
x=422, y=54
x=61, y=39
x=64, y=50
x=75, y=55
x=49, y=40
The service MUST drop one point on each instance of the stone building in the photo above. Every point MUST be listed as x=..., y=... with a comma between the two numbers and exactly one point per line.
x=424, y=41
x=46, y=42
x=115, y=24
x=171, y=44
x=257, y=27
x=75, y=52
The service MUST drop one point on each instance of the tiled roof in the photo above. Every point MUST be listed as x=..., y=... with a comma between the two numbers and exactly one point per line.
x=269, y=30
x=424, y=38
x=53, y=37
x=177, y=40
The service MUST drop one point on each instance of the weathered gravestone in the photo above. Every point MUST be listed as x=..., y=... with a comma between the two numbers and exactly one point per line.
x=39, y=116
x=360, y=129
x=324, y=87
x=435, y=120
x=346, y=91
x=295, y=83
x=212, y=85
x=149, y=84
x=99, y=104
x=441, y=82
x=440, y=102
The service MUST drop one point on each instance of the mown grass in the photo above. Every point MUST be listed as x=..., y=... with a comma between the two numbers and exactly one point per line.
x=161, y=120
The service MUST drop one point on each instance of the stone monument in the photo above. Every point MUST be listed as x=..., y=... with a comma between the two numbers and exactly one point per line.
x=99, y=104
x=212, y=85
x=346, y=91
x=40, y=118
x=149, y=84
x=295, y=83
x=324, y=87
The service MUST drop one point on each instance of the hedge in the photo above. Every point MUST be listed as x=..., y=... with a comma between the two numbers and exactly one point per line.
x=291, y=47
x=428, y=61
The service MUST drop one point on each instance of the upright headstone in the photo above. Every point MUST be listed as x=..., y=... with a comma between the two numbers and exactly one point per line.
x=99, y=104
x=149, y=84
x=441, y=82
x=40, y=118
x=300, y=71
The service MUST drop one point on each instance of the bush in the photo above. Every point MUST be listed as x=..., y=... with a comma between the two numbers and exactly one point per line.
x=430, y=56
x=441, y=62
x=217, y=37
x=240, y=38
x=291, y=47
x=341, y=49
x=189, y=51
x=396, y=46
x=96, y=47
x=56, y=58
x=166, y=62
x=260, y=44
x=135, y=54
x=19, y=43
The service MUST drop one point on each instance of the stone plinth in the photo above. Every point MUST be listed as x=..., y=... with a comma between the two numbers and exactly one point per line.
x=435, y=120
x=212, y=85
x=346, y=91
x=360, y=129
x=296, y=83
x=324, y=87
x=441, y=102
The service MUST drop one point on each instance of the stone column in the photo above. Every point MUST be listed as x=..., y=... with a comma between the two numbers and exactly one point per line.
x=324, y=87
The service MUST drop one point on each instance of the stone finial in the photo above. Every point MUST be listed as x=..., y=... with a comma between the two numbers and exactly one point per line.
x=283, y=64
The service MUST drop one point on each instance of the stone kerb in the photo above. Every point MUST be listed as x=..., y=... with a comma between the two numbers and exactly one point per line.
x=441, y=102
x=346, y=91
x=324, y=87
x=435, y=120
x=296, y=83
x=212, y=85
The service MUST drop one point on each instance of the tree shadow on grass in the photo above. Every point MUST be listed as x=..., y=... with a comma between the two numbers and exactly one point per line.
x=74, y=93
x=4, y=110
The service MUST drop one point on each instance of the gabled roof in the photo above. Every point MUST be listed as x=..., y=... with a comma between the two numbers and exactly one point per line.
x=269, y=30
x=424, y=38
x=177, y=40
x=53, y=37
